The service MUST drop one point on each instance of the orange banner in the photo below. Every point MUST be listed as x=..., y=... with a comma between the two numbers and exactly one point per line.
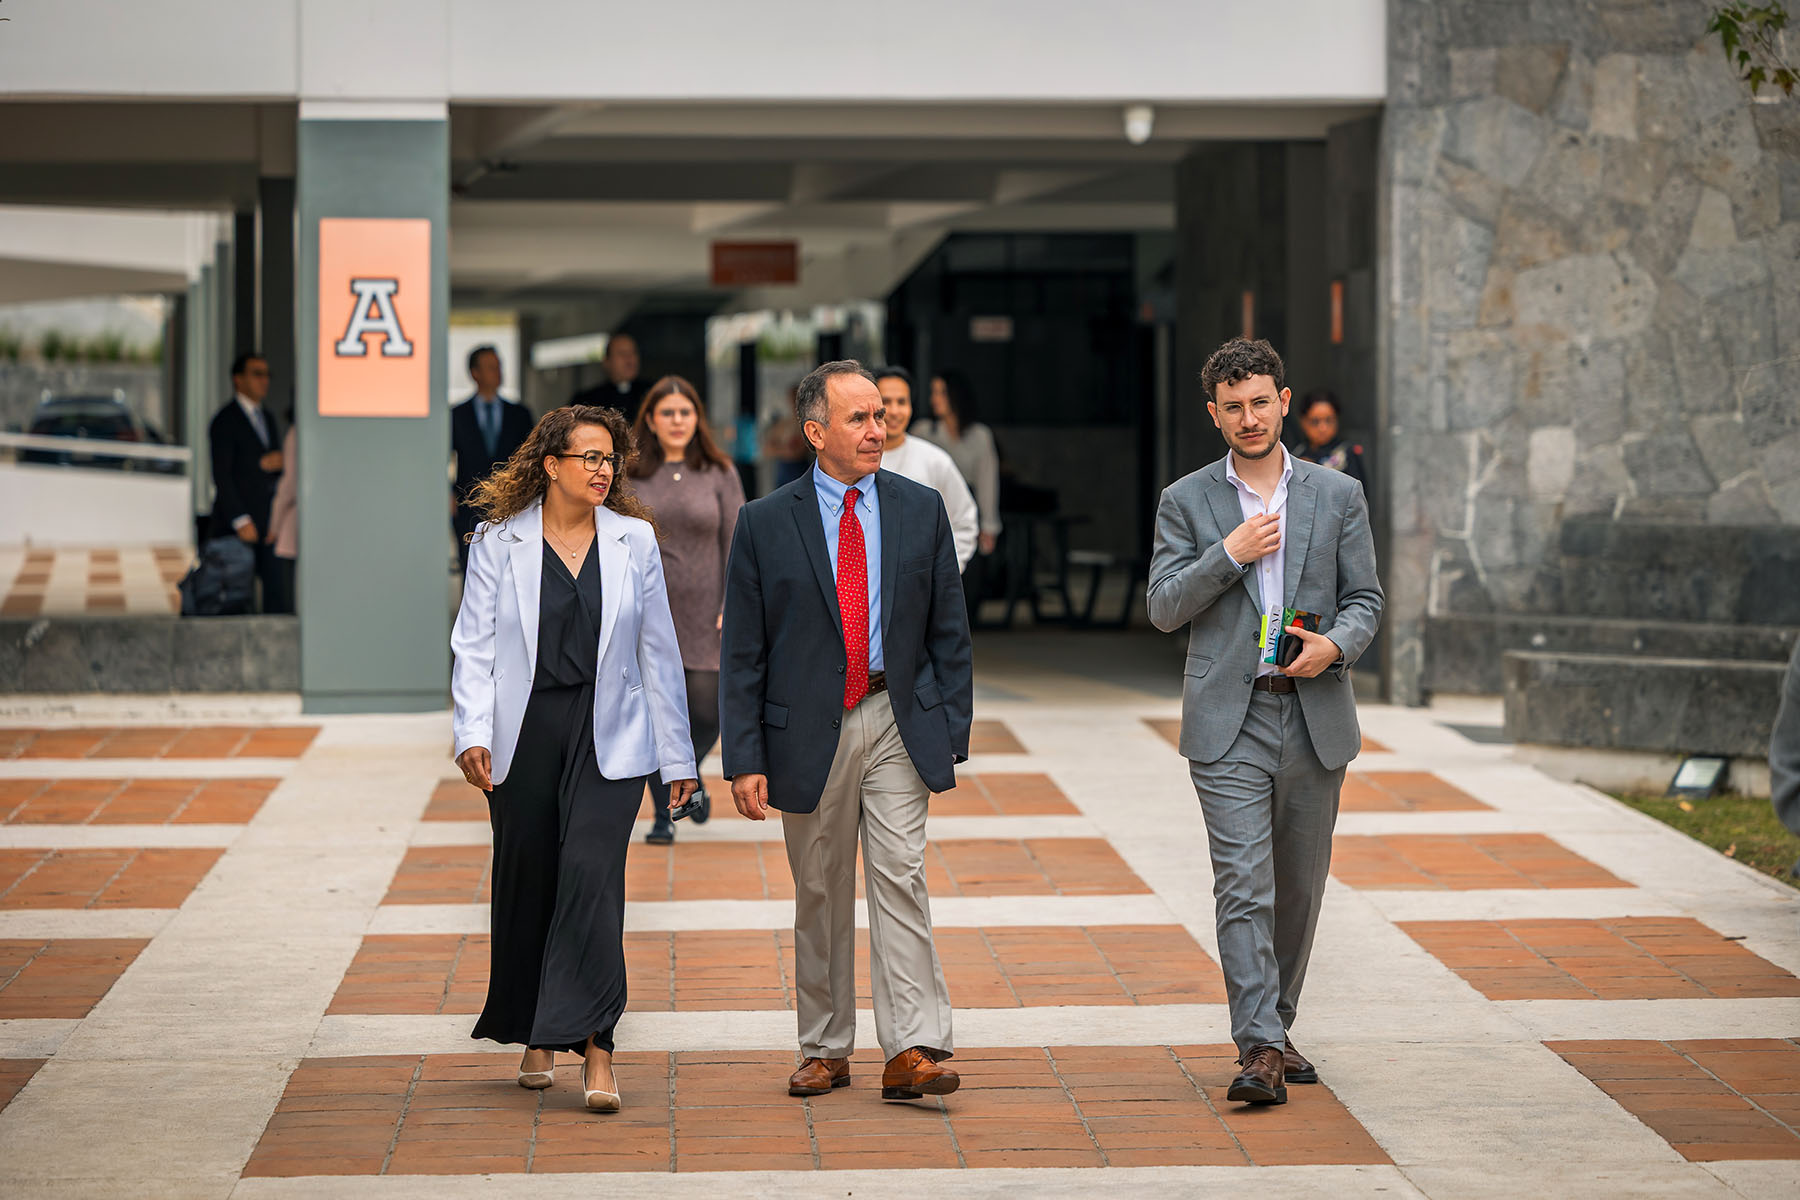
x=374, y=318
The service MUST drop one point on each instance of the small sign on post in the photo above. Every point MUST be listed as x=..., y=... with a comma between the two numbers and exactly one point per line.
x=374, y=317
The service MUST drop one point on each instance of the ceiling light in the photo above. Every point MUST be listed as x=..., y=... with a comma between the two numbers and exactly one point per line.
x=1138, y=120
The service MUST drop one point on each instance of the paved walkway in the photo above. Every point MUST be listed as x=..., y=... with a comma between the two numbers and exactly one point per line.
x=38, y=581
x=239, y=956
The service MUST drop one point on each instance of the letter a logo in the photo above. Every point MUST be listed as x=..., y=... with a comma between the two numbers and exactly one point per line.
x=374, y=313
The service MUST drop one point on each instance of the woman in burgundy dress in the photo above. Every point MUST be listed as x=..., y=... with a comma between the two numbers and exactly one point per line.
x=682, y=475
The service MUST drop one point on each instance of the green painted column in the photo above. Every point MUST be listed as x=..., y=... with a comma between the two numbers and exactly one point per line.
x=374, y=500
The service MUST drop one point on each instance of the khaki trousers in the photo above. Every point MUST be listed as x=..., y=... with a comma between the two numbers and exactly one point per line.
x=873, y=789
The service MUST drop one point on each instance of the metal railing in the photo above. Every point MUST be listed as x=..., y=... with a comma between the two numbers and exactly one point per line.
x=97, y=447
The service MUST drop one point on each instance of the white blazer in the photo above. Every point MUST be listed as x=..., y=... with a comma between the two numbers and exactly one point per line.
x=640, y=694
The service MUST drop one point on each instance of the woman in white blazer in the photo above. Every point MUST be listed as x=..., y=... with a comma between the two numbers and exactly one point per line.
x=569, y=695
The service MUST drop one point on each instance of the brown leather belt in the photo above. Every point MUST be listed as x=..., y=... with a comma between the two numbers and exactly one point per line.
x=1281, y=685
x=877, y=682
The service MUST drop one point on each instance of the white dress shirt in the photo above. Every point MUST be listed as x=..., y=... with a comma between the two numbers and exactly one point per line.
x=1270, y=569
x=924, y=462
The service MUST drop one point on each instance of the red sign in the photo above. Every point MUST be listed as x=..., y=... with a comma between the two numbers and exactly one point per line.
x=743, y=264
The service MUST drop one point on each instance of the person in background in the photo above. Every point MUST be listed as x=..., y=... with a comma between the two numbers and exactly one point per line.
x=923, y=462
x=485, y=429
x=783, y=445
x=1784, y=754
x=566, y=685
x=1321, y=441
x=695, y=494
x=244, y=440
x=284, y=525
x=970, y=445
x=621, y=390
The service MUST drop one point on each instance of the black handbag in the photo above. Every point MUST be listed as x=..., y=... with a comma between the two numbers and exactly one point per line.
x=223, y=582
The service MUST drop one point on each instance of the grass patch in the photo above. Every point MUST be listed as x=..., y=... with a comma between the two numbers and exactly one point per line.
x=1744, y=827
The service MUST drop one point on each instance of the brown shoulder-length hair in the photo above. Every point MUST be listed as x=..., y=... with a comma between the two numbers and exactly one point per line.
x=702, y=452
x=522, y=480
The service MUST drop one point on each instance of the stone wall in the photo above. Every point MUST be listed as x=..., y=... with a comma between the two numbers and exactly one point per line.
x=1592, y=293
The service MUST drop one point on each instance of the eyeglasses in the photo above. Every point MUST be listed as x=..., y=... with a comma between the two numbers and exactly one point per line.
x=593, y=458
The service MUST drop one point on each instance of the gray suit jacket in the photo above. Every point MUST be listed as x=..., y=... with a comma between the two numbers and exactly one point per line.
x=1784, y=750
x=1330, y=570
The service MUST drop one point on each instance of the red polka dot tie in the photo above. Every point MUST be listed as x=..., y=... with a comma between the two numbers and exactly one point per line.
x=853, y=600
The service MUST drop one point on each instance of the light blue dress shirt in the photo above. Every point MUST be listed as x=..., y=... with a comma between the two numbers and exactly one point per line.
x=868, y=514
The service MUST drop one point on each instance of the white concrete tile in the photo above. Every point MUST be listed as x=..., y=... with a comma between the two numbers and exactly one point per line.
x=33, y=1037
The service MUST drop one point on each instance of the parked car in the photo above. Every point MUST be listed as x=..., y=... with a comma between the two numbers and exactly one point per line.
x=103, y=417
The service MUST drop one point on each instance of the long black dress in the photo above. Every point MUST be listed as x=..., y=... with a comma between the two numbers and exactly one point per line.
x=561, y=831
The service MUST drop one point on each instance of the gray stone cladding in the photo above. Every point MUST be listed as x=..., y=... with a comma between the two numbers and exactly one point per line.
x=1592, y=295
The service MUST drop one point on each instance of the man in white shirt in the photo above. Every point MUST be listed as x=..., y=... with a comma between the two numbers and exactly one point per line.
x=922, y=462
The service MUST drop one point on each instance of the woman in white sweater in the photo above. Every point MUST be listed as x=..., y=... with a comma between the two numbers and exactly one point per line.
x=923, y=462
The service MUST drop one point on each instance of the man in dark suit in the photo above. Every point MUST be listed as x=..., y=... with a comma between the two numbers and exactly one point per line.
x=244, y=441
x=622, y=389
x=484, y=431
x=845, y=695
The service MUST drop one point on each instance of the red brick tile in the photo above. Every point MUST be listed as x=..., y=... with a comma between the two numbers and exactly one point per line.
x=1705, y=1098
x=122, y=878
x=1463, y=862
x=15, y=1073
x=60, y=979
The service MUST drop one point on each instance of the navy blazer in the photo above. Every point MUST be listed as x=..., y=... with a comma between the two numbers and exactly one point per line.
x=241, y=488
x=781, y=665
x=473, y=462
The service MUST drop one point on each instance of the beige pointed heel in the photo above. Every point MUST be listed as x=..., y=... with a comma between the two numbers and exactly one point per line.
x=537, y=1081
x=597, y=1100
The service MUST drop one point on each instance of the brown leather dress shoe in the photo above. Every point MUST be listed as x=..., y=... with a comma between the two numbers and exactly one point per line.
x=1260, y=1082
x=817, y=1076
x=913, y=1073
x=1295, y=1068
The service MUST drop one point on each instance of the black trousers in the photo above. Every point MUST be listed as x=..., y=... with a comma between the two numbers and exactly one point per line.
x=561, y=830
x=278, y=583
x=703, y=724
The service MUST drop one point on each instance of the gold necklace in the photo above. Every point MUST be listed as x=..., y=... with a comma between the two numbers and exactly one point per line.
x=560, y=543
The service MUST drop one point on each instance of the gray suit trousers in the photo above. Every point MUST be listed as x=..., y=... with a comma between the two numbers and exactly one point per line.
x=1270, y=807
x=873, y=787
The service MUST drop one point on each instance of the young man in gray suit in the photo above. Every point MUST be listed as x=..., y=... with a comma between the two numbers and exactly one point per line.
x=1237, y=543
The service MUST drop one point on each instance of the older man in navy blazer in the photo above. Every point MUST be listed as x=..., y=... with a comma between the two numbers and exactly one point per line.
x=846, y=689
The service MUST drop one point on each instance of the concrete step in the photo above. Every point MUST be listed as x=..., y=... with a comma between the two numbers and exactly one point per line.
x=150, y=654
x=1466, y=648
x=1619, y=702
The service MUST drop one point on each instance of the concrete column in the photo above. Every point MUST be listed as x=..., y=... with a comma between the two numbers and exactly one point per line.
x=374, y=500
x=243, y=283
x=195, y=377
x=275, y=332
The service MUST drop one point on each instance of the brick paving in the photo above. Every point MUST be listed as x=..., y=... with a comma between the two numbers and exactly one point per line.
x=986, y=795
x=1450, y=862
x=73, y=581
x=407, y=1098
x=1710, y=1100
x=15, y=1073
x=61, y=978
x=1169, y=730
x=729, y=1111
x=144, y=741
x=131, y=801
x=742, y=970
x=1626, y=958
x=759, y=871
x=122, y=878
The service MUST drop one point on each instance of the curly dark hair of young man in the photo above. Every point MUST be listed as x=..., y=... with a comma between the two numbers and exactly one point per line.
x=1239, y=359
x=522, y=479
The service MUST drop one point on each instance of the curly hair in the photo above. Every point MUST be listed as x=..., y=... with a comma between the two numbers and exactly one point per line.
x=1239, y=359
x=521, y=480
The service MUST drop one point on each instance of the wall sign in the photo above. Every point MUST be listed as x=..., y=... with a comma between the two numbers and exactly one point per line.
x=374, y=318
x=745, y=264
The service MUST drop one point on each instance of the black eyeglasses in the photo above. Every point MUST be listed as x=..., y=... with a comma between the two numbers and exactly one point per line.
x=593, y=458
